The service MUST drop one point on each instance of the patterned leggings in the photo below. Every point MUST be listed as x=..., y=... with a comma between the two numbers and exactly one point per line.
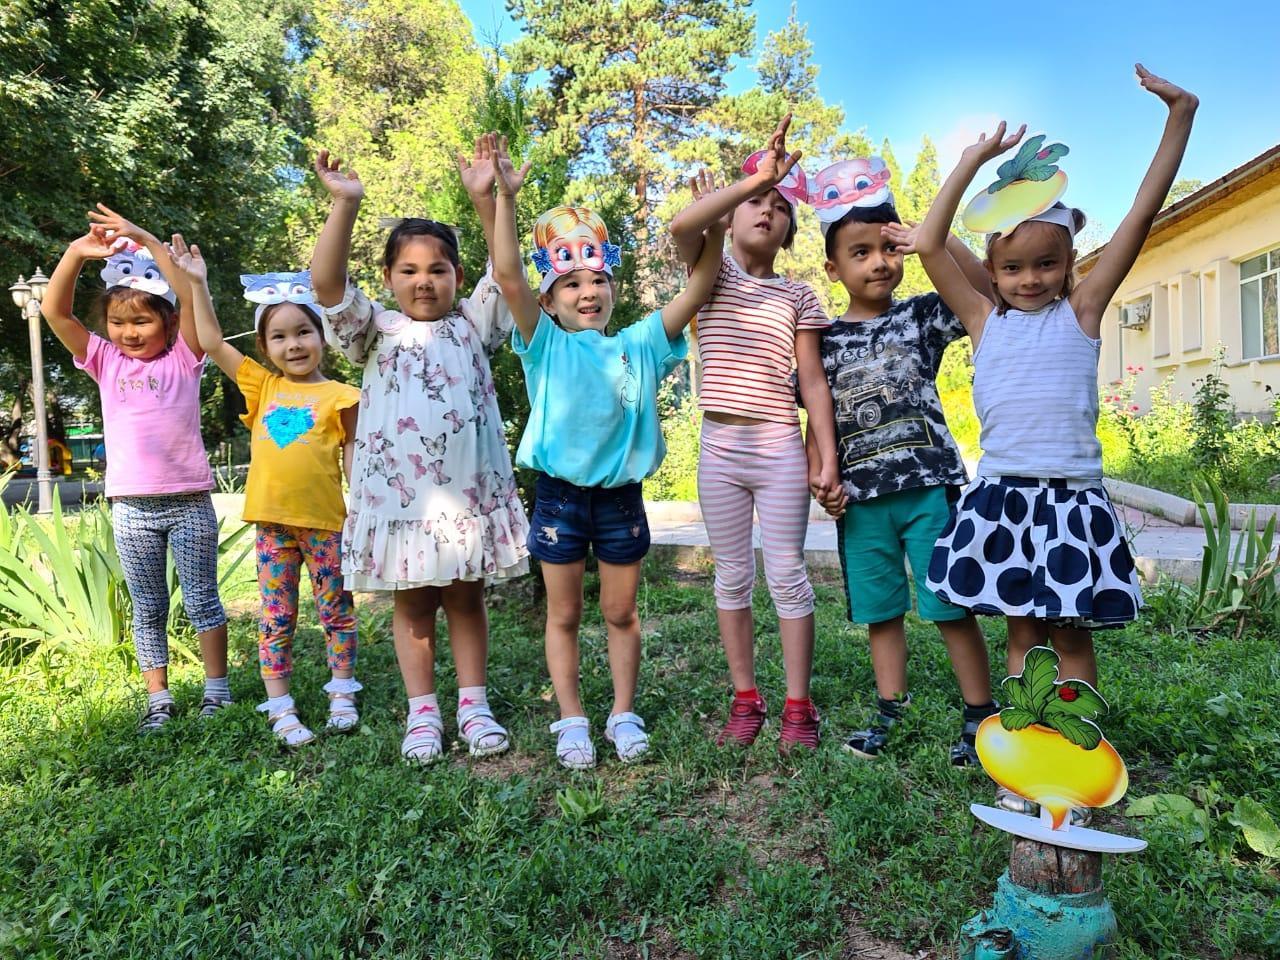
x=281, y=552
x=145, y=529
x=761, y=466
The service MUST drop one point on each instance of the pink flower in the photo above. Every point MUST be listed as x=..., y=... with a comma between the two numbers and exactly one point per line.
x=1134, y=408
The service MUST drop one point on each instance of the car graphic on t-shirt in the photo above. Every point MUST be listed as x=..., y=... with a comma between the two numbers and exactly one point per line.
x=865, y=405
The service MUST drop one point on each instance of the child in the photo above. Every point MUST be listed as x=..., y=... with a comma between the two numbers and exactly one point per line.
x=434, y=506
x=298, y=422
x=1035, y=536
x=593, y=436
x=899, y=466
x=754, y=330
x=158, y=478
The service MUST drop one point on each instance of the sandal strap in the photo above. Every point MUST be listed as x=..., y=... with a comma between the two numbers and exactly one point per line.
x=617, y=720
x=569, y=723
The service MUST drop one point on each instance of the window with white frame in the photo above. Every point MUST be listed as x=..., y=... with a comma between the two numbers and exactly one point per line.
x=1259, y=314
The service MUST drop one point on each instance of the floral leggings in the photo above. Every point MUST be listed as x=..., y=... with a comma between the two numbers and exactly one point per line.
x=281, y=552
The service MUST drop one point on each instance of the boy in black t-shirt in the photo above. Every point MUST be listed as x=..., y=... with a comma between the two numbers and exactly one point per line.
x=899, y=465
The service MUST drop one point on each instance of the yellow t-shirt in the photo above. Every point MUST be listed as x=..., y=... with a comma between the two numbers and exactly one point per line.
x=296, y=439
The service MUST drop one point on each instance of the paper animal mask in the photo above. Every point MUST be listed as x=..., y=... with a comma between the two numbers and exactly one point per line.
x=133, y=266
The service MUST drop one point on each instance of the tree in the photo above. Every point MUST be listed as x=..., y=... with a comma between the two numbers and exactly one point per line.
x=628, y=82
x=1181, y=188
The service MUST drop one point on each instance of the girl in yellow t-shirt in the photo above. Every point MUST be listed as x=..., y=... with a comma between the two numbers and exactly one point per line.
x=298, y=421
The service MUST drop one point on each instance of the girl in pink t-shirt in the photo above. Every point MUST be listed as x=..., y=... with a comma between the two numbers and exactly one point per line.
x=756, y=328
x=158, y=480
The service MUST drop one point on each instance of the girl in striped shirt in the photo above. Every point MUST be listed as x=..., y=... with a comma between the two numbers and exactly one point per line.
x=754, y=331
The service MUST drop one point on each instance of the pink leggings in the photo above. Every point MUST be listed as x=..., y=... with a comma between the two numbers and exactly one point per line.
x=761, y=465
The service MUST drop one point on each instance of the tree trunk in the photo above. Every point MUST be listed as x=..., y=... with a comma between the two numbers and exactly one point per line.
x=1045, y=868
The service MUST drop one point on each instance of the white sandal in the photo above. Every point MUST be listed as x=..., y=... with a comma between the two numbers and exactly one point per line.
x=424, y=740
x=630, y=741
x=484, y=735
x=291, y=734
x=343, y=715
x=574, y=748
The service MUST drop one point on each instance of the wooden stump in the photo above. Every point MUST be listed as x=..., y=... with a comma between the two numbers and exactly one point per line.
x=1044, y=868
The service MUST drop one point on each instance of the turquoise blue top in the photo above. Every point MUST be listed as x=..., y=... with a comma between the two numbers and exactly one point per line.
x=593, y=417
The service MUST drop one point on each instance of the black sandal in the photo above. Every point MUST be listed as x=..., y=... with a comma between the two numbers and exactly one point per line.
x=963, y=753
x=155, y=718
x=870, y=743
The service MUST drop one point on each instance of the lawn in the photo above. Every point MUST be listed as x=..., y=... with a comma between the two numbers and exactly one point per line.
x=209, y=841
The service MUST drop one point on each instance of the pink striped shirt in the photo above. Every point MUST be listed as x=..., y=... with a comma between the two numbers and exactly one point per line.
x=747, y=343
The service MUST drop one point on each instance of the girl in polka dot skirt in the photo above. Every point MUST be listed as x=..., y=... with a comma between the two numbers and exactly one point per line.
x=1035, y=537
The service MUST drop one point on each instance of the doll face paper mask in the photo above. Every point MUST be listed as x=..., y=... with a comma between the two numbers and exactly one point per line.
x=566, y=239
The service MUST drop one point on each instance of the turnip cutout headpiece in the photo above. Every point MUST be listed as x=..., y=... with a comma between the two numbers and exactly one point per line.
x=132, y=266
x=267, y=289
x=837, y=189
x=1028, y=185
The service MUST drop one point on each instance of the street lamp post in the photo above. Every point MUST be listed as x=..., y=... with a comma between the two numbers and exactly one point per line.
x=27, y=295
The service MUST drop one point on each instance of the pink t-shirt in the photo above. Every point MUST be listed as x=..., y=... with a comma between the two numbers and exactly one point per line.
x=150, y=419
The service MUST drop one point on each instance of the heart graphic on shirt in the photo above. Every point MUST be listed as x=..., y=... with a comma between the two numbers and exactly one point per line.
x=286, y=424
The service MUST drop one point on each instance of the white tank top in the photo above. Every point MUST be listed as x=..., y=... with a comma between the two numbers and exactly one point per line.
x=1035, y=390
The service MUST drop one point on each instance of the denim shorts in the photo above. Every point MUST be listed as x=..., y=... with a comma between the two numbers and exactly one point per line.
x=568, y=519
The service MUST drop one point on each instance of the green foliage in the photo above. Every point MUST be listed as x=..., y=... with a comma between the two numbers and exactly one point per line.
x=1237, y=582
x=677, y=478
x=1212, y=416
x=1036, y=696
x=1030, y=163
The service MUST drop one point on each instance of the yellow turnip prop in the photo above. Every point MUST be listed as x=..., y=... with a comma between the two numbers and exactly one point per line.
x=1029, y=185
x=1045, y=745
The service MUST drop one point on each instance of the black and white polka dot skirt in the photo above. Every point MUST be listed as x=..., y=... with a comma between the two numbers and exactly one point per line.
x=1051, y=549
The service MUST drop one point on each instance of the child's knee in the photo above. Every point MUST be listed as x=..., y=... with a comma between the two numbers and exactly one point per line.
x=792, y=598
x=204, y=608
x=620, y=616
x=733, y=588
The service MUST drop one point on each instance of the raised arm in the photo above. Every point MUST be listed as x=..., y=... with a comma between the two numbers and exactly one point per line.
x=690, y=225
x=333, y=246
x=903, y=236
x=1091, y=297
x=478, y=178
x=950, y=281
x=189, y=262
x=59, y=298
x=508, y=268
x=677, y=314
x=118, y=226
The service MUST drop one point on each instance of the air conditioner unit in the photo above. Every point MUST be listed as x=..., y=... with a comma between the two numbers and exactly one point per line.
x=1134, y=316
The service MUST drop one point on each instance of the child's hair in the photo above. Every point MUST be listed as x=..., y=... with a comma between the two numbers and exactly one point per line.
x=413, y=227
x=1069, y=281
x=884, y=213
x=264, y=318
x=141, y=300
x=563, y=221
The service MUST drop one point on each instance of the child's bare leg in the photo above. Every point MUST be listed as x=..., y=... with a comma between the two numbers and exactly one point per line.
x=413, y=629
x=213, y=651
x=797, y=654
x=564, y=615
x=619, y=584
x=157, y=679
x=1075, y=650
x=468, y=620
x=737, y=635
x=888, y=641
x=1024, y=633
x=967, y=648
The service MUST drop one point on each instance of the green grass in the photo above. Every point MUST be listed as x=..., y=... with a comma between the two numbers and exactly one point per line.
x=210, y=841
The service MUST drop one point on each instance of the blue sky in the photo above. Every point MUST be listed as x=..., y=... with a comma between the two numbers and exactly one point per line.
x=1065, y=69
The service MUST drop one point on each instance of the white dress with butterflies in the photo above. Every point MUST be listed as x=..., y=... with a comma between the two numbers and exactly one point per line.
x=433, y=495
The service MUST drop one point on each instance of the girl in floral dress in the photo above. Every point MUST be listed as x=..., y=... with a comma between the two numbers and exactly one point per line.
x=434, y=507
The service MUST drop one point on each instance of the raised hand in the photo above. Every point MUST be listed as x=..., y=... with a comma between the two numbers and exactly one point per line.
x=116, y=226
x=94, y=245
x=478, y=173
x=188, y=260
x=902, y=236
x=988, y=147
x=703, y=185
x=509, y=179
x=341, y=186
x=1173, y=95
x=777, y=163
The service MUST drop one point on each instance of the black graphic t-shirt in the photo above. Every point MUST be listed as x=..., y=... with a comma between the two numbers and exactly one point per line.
x=891, y=434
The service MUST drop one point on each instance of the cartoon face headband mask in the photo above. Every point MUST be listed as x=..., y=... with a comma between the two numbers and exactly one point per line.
x=266, y=289
x=1028, y=188
x=566, y=239
x=132, y=266
x=837, y=189
x=794, y=187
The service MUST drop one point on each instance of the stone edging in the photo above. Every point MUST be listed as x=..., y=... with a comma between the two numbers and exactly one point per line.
x=1181, y=510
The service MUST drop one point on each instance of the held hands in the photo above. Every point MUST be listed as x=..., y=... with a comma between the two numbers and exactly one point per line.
x=1174, y=97
x=825, y=485
x=776, y=163
x=703, y=185
x=509, y=179
x=989, y=147
x=341, y=186
x=188, y=260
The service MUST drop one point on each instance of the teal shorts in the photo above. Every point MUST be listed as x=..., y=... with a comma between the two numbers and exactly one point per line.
x=875, y=536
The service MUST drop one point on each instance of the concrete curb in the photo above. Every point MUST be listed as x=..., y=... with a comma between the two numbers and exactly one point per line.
x=1182, y=511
